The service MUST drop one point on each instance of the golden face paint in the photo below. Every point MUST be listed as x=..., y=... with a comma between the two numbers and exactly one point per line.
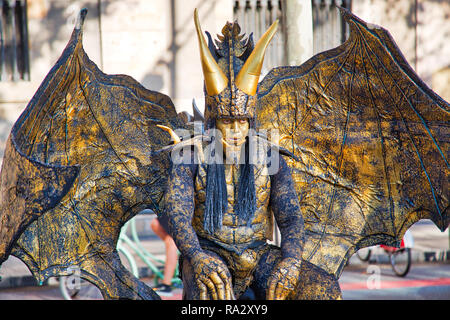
x=234, y=133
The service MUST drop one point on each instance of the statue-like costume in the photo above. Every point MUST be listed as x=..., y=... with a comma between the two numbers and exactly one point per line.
x=364, y=155
x=223, y=243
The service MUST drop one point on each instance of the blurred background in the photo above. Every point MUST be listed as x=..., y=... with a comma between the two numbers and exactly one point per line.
x=155, y=43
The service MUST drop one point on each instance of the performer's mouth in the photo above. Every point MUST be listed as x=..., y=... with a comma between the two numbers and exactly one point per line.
x=233, y=141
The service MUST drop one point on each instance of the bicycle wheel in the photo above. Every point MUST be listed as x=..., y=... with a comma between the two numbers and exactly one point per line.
x=401, y=261
x=80, y=289
x=74, y=287
x=127, y=260
x=364, y=254
x=68, y=291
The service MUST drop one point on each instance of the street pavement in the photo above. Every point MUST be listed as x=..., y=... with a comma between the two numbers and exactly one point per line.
x=430, y=246
x=424, y=281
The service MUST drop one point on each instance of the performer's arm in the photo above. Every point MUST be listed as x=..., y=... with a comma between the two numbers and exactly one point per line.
x=212, y=275
x=179, y=208
x=286, y=209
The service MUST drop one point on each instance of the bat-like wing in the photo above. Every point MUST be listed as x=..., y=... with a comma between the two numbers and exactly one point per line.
x=372, y=142
x=105, y=125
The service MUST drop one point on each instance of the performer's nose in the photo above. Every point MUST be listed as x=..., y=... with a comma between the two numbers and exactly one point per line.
x=235, y=126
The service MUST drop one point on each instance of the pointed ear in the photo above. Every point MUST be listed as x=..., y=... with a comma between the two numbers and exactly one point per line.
x=248, y=78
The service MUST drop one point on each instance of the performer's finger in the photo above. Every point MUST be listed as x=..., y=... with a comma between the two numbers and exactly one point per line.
x=203, y=291
x=226, y=280
x=219, y=285
x=211, y=288
x=229, y=294
x=271, y=289
x=232, y=296
x=279, y=291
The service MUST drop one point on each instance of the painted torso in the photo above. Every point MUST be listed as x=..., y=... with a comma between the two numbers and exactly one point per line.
x=233, y=231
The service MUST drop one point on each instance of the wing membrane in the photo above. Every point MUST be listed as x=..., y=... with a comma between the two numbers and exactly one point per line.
x=372, y=142
x=106, y=125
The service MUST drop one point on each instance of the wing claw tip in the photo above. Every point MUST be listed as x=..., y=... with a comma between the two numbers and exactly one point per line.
x=80, y=19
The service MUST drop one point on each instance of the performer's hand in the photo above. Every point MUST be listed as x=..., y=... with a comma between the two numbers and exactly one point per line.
x=284, y=279
x=212, y=276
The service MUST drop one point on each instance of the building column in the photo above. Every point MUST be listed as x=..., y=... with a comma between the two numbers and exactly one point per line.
x=299, y=31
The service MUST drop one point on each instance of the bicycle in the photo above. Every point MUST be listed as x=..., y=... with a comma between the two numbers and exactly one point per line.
x=400, y=258
x=70, y=290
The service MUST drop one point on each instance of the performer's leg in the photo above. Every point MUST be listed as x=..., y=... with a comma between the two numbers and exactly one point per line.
x=263, y=271
x=171, y=250
x=314, y=282
x=317, y=284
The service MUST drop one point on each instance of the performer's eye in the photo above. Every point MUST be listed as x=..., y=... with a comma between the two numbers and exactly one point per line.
x=242, y=120
x=226, y=121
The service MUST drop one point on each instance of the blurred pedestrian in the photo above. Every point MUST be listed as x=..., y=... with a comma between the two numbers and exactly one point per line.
x=159, y=226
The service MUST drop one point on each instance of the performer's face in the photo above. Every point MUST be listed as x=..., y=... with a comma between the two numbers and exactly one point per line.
x=234, y=132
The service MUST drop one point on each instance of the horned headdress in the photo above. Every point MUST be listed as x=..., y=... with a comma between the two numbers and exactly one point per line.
x=231, y=71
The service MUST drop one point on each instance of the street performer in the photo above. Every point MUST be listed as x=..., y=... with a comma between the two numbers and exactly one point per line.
x=221, y=203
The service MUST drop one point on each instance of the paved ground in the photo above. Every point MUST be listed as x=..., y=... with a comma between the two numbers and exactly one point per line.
x=430, y=245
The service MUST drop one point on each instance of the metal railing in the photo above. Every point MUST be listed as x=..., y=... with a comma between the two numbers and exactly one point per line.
x=257, y=16
x=329, y=28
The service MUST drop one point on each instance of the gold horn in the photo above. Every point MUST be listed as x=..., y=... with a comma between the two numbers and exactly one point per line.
x=215, y=79
x=248, y=77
